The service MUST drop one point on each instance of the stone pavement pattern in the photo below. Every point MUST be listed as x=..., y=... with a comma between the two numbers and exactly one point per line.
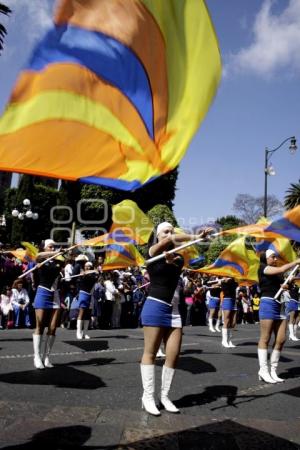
x=91, y=398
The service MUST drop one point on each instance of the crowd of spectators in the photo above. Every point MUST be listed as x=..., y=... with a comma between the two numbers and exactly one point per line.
x=117, y=297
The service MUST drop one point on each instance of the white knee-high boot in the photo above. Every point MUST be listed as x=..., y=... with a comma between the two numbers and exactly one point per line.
x=210, y=325
x=85, y=328
x=263, y=373
x=48, y=346
x=160, y=353
x=148, y=380
x=218, y=325
x=292, y=336
x=37, y=342
x=225, y=338
x=166, y=382
x=79, y=333
x=274, y=360
x=295, y=331
x=230, y=344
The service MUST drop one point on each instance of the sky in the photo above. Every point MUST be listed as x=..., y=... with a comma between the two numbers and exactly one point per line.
x=257, y=105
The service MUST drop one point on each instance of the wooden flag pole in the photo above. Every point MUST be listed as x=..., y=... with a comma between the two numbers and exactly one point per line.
x=176, y=249
x=287, y=280
x=45, y=261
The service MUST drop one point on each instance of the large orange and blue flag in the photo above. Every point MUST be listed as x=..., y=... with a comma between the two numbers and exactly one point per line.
x=236, y=261
x=31, y=251
x=120, y=256
x=287, y=226
x=113, y=93
x=118, y=236
x=281, y=246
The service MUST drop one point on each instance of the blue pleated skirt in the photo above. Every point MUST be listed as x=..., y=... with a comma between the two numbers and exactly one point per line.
x=228, y=304
x=214, y=302
x=84, y=299
x=271, y=309
x=44, y=299
x=157, y=313
x=292, y=305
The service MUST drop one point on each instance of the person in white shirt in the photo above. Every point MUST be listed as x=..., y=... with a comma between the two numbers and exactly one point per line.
x=112, y=304
x=68, y=270
x=6, y=307
x=20, y=302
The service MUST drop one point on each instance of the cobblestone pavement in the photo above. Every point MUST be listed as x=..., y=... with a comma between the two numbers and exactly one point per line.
x=91, y=398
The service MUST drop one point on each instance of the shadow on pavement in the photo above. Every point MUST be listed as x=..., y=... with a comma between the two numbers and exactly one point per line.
x=209, y=395
x=191, y=352
x=92, y=362
x=72, y=437
x=194, y=365
x=220, y=435
x=293, y=372
x=295, y=392
x=248, y=344
x=59, y=376
x=283, y=359
x=121, y=336
x=89, y=345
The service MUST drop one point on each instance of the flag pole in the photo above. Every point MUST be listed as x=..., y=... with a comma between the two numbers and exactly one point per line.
x=81, y=274
x=176, y=249
x=37, y=266
x=287, y=280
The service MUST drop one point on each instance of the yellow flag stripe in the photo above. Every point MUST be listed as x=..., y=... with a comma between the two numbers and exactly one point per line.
x=66, y=106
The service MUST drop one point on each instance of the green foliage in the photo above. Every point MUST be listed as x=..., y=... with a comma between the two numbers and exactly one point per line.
x=230, y=221
x=3, y=10
x=42, y=199
x=90, y=205
x=292, y=198
x=96, y=203
x=161, y=213
x=160, y=191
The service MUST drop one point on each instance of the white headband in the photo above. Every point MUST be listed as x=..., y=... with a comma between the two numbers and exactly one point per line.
x=270, y=252
x=48, y=242
x=162, y=226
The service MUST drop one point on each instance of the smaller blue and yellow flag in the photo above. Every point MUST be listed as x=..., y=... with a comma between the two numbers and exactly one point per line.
x=129, y=218
x=287, y=226
x=236, y=261
x=120, y=256
x=31, y=251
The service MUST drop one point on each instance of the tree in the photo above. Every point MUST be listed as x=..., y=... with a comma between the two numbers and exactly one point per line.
x=161, y=191
x=250, y=208
x=292, y=198
x=43, y=199
x=161, y=213
x=228, y=222
x=96, y=201
x=96, y=206
x=3, y=10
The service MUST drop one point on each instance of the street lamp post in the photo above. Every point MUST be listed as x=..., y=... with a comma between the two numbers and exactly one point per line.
x=26, y=211
x=269, y=169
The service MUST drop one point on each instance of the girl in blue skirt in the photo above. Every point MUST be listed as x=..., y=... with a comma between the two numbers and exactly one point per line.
x=160, y=320
x=271, y=314
x=86, y=285
x=46, y=303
